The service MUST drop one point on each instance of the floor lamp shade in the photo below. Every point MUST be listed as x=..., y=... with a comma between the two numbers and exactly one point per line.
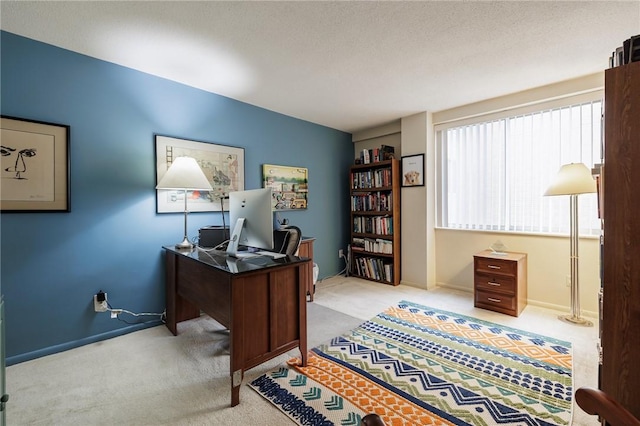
x=573, y=179
x=184, y=174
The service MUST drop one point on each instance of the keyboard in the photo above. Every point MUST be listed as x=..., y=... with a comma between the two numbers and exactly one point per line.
x=271, y=254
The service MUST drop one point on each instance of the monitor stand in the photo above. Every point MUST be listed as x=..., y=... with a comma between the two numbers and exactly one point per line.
x=234, y=242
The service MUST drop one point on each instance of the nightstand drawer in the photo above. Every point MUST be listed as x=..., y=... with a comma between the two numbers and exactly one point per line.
x=496, y=266
x=496, y=283
x=496, y=302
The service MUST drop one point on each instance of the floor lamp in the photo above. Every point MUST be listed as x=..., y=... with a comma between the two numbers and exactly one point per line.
x=184, y=174
x=573, y=179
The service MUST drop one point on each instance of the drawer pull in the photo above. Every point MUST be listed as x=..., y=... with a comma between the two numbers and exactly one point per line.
x=491, y=299
x=493, y=284
x=493, y=267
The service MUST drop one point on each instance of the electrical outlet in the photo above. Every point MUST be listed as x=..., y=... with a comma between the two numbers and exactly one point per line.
x=340, y=254
x=568, y=280
x=100, y=302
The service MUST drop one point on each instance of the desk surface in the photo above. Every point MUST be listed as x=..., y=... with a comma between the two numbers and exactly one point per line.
x=219, y=260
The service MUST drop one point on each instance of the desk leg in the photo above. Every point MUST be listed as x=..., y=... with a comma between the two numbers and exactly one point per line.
x=236, y=382
x=236, y=343
x=178, y=309
x=302, y=306
x=170, y=292
x=310, y=285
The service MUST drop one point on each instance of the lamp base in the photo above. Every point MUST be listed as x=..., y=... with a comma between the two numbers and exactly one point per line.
x=572, y=319
x=185, y=244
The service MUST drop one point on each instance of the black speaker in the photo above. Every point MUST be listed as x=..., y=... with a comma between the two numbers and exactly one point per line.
x=211, y=236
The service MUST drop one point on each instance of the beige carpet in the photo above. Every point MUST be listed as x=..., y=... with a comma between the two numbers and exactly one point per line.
x=153, y=378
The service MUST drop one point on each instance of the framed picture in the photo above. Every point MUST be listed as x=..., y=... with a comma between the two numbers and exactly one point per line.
x=289, y=186
x=34, y=160
x=413, y=170
x=223, y=165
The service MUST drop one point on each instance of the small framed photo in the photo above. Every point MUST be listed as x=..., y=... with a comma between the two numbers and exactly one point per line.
x=413, y=170
x=34, y=163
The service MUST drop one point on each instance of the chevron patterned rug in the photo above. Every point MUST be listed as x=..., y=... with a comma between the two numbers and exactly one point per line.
x=415, y=365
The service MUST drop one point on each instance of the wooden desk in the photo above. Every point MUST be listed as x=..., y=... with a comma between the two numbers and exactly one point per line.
x=306, y=250
x=261, y=301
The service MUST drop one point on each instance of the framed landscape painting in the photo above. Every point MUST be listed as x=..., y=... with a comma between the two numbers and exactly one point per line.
x=288, y=184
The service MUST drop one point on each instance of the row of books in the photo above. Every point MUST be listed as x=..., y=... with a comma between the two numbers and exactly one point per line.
x=381, y=225
x=627, y=53
x=374, y=155
x=372, y=202
x=377, y=245
x=371, y=179
x=374, y=268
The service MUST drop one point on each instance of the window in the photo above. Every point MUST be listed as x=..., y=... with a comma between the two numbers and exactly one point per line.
x=493, y=174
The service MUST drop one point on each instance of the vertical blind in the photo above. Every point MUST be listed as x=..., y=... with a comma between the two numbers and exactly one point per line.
x=493, y=174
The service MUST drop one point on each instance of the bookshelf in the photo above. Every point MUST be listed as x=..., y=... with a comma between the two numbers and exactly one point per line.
x=375, y=221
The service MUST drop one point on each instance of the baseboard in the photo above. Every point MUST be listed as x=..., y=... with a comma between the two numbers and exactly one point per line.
x=17, y=359
x=456, y=287
x=531, y=302
x=561, y=308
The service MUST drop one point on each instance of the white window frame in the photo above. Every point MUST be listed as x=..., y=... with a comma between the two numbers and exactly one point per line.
x=553, y=210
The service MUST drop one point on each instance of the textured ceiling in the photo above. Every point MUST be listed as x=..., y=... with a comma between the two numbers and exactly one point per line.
x=348, y=65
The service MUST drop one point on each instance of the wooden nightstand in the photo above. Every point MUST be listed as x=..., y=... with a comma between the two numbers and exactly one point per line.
x=500, y=282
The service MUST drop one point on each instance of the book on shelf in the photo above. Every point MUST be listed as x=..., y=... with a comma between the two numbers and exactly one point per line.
x=375, y=155
x=372, y=245
x=627, y=53
x=374, y=268
x=381, y=225
x=365, y=157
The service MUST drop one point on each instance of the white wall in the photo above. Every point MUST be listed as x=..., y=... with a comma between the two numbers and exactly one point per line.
x=417, y=207
x=548, y=265
x=445, y=257
x=547, y=256
x=388, y=134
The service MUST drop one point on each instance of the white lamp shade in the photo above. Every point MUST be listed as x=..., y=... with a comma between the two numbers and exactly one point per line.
x=574, y=178
x=184, y=173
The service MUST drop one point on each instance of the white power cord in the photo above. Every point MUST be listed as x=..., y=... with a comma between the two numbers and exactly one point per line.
x=344, y=271
x=115, y=312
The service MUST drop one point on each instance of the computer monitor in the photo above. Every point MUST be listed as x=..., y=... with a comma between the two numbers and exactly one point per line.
x=251, y=220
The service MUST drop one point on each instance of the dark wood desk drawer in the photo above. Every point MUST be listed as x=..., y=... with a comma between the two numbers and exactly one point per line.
x=496, y=302
x=496, y=283
x=496, y=266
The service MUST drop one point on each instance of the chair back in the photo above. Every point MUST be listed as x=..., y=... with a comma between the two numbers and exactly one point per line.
x=595, y=402
x=287, y=240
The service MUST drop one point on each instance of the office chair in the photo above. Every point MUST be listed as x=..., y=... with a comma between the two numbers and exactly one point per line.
x=287, y=240
x=595, y=402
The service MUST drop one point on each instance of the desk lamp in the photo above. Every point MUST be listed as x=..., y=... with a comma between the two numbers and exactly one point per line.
x=184, y=174
x=573, y=179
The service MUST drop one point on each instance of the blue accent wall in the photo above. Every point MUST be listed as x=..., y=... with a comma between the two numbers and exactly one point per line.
x=53, y=263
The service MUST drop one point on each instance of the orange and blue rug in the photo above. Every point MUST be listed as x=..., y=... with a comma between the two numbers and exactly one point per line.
x=416, y=365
